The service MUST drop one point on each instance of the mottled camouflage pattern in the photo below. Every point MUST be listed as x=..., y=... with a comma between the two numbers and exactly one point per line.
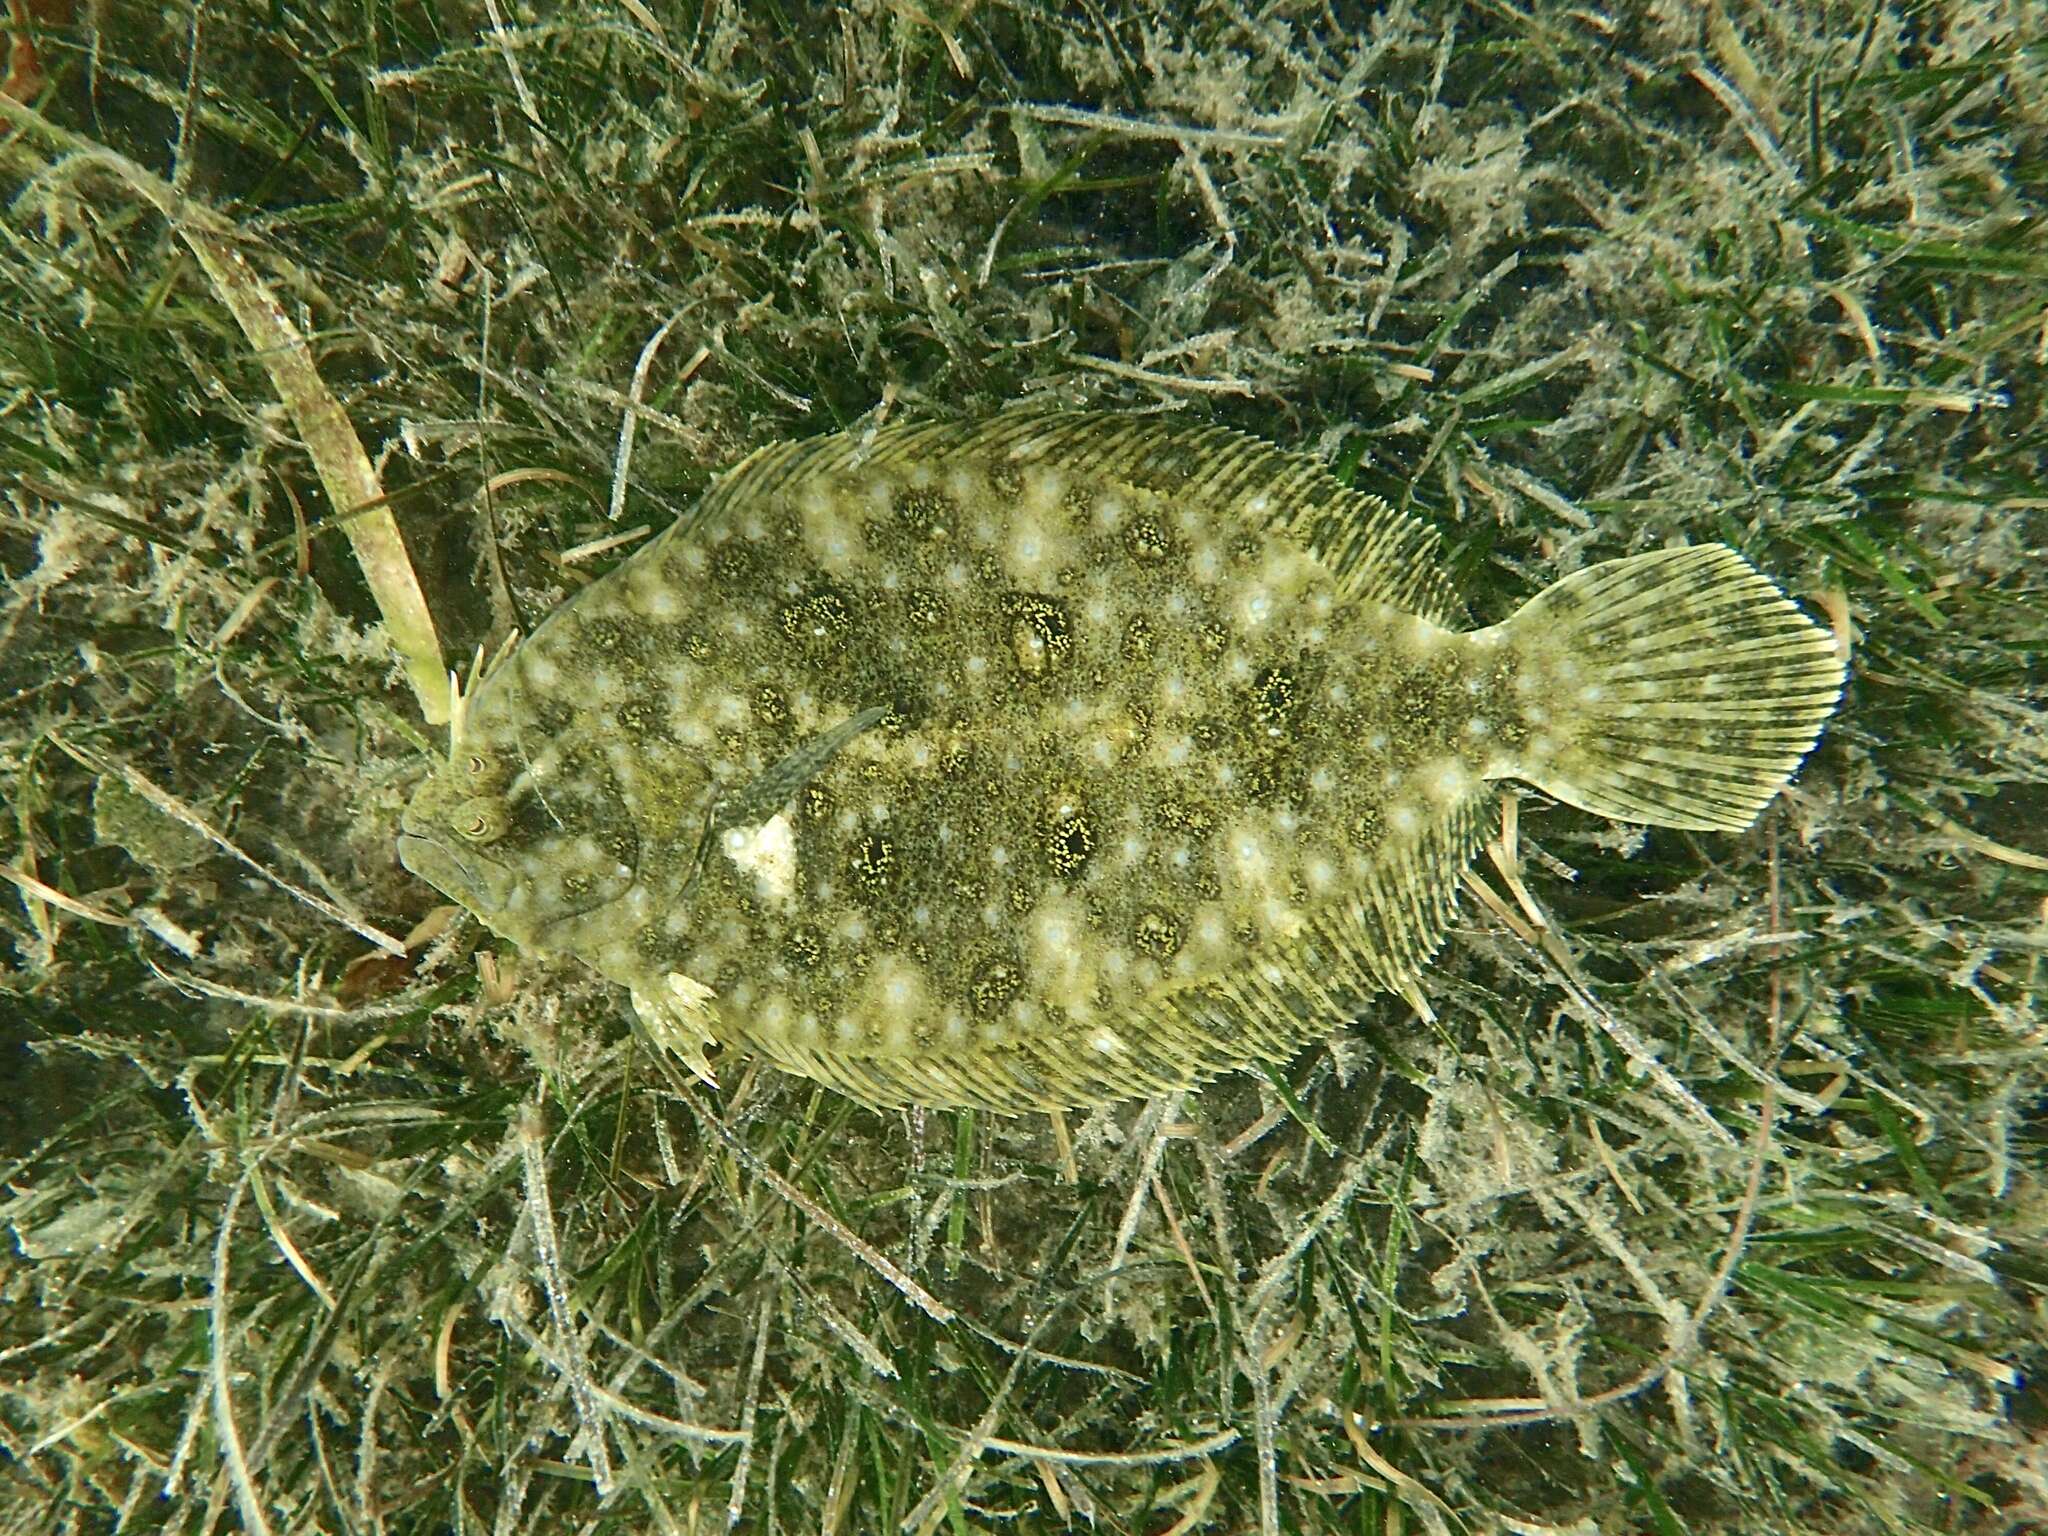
x=1063, y=758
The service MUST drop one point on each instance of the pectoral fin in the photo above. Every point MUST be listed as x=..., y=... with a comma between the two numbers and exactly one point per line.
x=757, y=800
x=681, y=1020
x=765, y=794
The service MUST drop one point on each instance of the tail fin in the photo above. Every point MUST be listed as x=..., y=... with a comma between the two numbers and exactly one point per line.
x=1679, y=688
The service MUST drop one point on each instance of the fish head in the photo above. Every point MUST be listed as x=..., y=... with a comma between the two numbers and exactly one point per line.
x=532, y=835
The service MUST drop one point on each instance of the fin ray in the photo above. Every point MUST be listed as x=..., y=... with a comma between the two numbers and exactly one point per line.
x=1679, y=688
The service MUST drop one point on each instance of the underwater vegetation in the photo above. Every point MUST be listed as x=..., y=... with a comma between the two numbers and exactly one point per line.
x=1694, y=1181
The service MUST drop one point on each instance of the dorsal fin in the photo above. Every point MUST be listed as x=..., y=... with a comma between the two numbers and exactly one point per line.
x=1377, y=553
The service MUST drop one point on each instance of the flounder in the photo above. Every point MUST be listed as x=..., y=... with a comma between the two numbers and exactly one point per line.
x=1056, y=759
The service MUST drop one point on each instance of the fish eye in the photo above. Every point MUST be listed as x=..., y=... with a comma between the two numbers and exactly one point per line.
x=480, y=820
x=476, y=765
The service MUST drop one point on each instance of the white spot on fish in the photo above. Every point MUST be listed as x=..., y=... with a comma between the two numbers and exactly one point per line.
x=1447, y=780
x=655, y=598
x=768, y=853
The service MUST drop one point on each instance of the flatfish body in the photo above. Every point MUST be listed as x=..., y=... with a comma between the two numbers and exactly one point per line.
x=1055, y=759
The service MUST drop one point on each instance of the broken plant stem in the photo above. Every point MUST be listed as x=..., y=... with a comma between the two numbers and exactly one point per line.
x=345, y=471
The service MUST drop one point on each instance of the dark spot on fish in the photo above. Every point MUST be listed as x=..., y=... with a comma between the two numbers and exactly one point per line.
x=1068, y=842
x=1276, y=698
x=817, y=621
x=1157, y=933
x=995, y=985
x=1145, y=540
x=1040, y=636
x=873, y=863
x=927, y=514
x=735, y=561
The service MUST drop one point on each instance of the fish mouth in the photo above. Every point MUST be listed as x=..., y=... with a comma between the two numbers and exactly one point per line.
x=490, y=890
x=450, y=873
x=440, y=866
x=414, y=845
